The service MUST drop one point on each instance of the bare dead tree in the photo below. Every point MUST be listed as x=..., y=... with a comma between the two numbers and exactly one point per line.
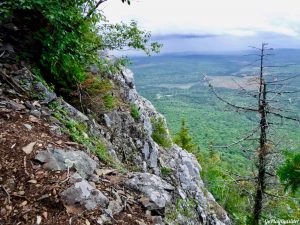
x=268, y=89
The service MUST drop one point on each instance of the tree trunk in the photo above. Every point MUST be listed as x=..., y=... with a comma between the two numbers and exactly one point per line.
x=262, y=151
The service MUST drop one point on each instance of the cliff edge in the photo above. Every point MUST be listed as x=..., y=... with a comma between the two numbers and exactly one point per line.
x=62, y=164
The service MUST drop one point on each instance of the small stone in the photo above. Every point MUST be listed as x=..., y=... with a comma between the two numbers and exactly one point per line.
x=103, y=219
x=104, y=172
x=2, y=140
x=33, y=119
x=140, y=222
x=29, y=127
x=23, y=203
x=38, y=219
x=8, y=207
x=21, y=192
x=129, y=215
x=59, y=142
x=45, y=215
x=35, y=113
x=32, y=181
x=36, y=103
x=2, y=211
x=10, y=183
x=46, y=113
x=28, y=148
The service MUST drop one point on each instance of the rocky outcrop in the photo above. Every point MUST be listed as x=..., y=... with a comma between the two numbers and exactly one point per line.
x=176, y=198
x=57, y=159
x=153, y=187
x=185, y=177
x=83, y=194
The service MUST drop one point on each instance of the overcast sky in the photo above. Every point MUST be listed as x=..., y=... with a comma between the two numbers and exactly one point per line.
x=213, y=25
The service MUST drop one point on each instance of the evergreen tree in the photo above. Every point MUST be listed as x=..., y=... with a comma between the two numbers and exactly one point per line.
x=183, y=138
x=289, y=172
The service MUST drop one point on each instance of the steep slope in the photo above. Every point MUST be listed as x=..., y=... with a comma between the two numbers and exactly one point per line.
x=39, y=161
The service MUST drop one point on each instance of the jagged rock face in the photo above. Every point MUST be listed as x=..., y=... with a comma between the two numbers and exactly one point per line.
x=130, y=141
x=156, y=189
x=186, y=170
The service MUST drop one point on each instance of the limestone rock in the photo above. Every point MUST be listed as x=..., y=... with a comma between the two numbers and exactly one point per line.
x=153, y=187
x=82, y=193
x=14, y=105
x=128, y=77
x=58, y=159
x=47, y=96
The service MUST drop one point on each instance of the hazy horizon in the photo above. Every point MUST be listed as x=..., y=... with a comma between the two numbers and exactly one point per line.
x=212, y=26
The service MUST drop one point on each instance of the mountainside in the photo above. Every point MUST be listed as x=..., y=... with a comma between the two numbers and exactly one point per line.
x=62, y=166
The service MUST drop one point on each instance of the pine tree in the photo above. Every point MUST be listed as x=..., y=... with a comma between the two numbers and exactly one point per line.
x=289, y=172
x=183, y=138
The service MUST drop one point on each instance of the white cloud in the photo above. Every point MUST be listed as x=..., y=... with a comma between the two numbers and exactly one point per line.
x=233, y=17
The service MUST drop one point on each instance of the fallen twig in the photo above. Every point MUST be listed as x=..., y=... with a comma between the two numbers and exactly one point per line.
x=25, y=166
x=6, y=192
x=68, y=176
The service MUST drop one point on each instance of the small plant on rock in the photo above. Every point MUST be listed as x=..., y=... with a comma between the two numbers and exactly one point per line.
x=110, y=102
x=135, y=112
x=160, y=133
x=165, y=171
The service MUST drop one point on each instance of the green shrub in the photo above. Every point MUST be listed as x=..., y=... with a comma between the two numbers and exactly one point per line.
x=134, y=112
x=94, y=85
x=160, y=134
x=184, y=139
x=166, y=171
x=101, y=152
x=110, y=102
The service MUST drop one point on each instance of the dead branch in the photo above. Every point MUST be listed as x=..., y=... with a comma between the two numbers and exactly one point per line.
x=282, y=80
x=12, y=83
x=283, y=116
x=229, y=103
x=240, y=140
x=94, y=8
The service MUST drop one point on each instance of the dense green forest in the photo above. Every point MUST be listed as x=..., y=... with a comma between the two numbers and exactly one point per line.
x=175, y=85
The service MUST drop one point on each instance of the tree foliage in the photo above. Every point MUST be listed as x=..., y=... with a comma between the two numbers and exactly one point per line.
x=64, y=37
x=183, y=137
x=160, y=133
x=289, y=172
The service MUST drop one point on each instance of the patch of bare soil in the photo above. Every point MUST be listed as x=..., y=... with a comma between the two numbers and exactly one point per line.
x=232, y=82
x=29, y=194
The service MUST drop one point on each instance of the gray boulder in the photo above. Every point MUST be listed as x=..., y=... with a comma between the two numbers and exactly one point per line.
x=58, y=159
x=153, y=187
x=48, y=96
x=128, y=77
x=83, y=194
